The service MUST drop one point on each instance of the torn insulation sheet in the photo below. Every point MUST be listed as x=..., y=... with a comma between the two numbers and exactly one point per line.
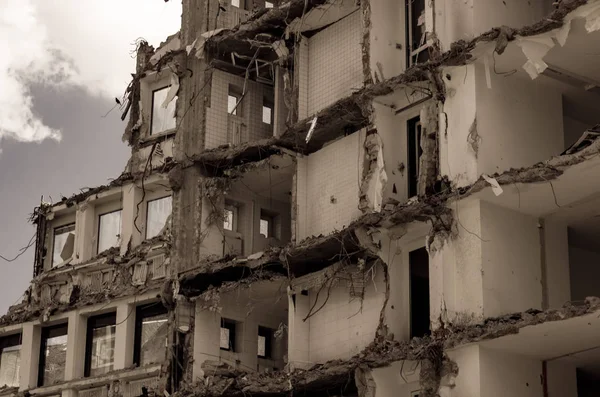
x=535, y=49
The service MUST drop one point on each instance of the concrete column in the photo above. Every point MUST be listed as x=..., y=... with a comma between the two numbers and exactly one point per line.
x=556, y=262
x=299, y=331
x=455, y=279
x=250, y=347
x=76, y=334
x=85, y=225
x=125, y=335
x=30, y=356
x=131, y=199
x=207, y=336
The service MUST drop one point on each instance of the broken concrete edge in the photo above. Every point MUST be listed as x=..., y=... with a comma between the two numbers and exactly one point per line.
x=339, y=375
x=272, y=21
x=539, y=172
x=33, y=307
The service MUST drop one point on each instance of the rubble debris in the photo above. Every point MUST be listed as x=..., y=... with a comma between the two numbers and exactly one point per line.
x=374, y=177
x=67, y=288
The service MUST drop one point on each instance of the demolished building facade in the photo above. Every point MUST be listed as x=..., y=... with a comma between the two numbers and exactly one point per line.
x=334, y=198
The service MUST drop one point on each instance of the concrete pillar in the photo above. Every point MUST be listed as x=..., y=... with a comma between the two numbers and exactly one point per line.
x=125, y=335
x=278, y=111
x=556, y=262
x=250, y=348
x=85, y=225
x=455, y=279
x=129, y=232
x=76, y=334
x=207, y=336
x=299, y=331
x=30, y=356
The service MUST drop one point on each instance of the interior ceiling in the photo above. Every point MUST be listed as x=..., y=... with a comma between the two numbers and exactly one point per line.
x=269, y=182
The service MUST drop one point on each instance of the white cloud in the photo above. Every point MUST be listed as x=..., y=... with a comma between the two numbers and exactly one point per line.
x=71, y=42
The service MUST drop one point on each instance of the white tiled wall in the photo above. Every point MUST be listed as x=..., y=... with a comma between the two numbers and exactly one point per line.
x=250, y=113
x=334, y=63
x=341, y=328
x=328, y=184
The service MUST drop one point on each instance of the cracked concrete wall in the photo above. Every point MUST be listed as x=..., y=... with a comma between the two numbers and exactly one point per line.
x=512, y=122
x=345, y=324
x=400, y=379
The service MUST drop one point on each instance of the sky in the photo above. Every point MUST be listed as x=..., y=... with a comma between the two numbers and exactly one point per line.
x=62, y=63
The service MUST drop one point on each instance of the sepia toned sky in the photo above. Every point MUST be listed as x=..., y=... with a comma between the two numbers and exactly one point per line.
x=62, y=63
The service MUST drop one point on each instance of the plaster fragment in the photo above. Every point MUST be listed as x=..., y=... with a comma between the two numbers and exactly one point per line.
x=535, y=49
x=313, y=124
x=496, y=188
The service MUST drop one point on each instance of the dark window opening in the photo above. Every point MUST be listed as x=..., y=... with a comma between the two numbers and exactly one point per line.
x=100, y=344
x=419, y=292
x=416, y=39
x=265, y=340
x=10, y=360
x=413, y=130
x=53, y=355
x=227, y=335
x=151, y=332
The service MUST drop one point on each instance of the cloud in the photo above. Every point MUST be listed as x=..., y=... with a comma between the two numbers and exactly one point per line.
x=71, y=43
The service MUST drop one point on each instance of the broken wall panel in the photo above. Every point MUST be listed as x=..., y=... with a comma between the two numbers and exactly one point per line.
x=334, y=65
x=328, y=185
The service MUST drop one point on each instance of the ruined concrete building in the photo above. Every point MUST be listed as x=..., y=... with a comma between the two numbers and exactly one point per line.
x=365, y=198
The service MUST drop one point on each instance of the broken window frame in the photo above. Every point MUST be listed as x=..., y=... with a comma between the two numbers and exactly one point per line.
x=71, y=229
x=146, y=312
x=104, y=321
x=421, y=52
x=229, y=325
x=48, y=333
x=171, y=105
x=148, y=216
x=236, y=93
x=413, y=154
x=118, y=235
x=267, y=333
x=10, y=344
x=268, y=104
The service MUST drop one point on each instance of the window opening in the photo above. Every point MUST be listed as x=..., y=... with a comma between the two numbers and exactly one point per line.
x=64, y=240
x=109, y=230
x=162, y=119
x=157, y=214
x=265, y=340
x=53, y=355
x=10, y=360
x=227, y=335
x=151, y=331
x=100, y=344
